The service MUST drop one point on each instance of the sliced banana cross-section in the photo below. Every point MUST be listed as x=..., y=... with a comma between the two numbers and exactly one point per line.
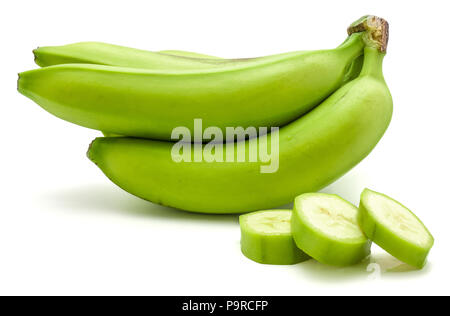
x=326, y=227
x=394, y=228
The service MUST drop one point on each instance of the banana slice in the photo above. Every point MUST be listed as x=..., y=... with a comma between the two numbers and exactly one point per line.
x=325, y=227
x=394, y=228
x=266, y=238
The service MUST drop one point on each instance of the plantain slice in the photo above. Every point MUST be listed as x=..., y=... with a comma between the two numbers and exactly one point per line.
x=394, y=228
x=266, y=238
x=326, y=227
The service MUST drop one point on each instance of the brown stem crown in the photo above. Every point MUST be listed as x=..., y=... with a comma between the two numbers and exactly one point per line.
x=376, y=31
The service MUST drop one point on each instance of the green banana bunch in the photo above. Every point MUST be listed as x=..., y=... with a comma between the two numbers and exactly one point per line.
x=260, y=92
x=314, y=150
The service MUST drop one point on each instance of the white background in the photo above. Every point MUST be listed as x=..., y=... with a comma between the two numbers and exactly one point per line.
x=66, y=229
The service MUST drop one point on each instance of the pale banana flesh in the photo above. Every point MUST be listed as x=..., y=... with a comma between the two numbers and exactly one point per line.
x=394, y=228
x=314, y=150
x=263, y=92
x=325, y=227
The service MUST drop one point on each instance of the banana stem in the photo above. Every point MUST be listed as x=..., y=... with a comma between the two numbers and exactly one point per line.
x=351, y=40
x=373, y=63
x=352, y=47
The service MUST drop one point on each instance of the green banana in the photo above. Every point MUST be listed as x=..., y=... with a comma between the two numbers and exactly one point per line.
x=114, y=55
x=262, y=92
x=314, y=150
x=352, y=72
x=54, y=55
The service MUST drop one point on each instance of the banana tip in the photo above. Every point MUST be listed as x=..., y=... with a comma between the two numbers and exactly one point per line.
x=22, y=84
x=89, y=152
x=35, y=54
x=18, y=82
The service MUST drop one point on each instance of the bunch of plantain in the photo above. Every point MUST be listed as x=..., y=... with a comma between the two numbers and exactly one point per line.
x=332, y=107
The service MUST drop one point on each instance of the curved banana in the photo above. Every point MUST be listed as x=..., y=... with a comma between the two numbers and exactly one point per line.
x=115, y=55
x=262, y=92
x=55, y=55
x=314, y=150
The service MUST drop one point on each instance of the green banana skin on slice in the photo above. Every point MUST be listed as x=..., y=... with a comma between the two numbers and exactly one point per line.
x=394, y=228
x=314, y=150
x=266, y=238
x=263, y=92
x=114, y=55
x=325, y=227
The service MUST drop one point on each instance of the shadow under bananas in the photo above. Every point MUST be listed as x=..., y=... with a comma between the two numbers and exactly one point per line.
x=109, y=199
x=106, y=198
x=379, y=265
